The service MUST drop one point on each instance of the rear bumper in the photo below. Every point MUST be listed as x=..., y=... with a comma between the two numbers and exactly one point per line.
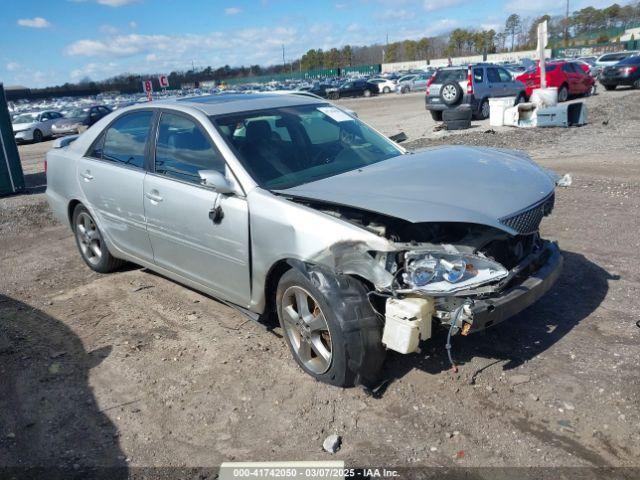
x=491, y=311
x=607, y=81
x=435, y=104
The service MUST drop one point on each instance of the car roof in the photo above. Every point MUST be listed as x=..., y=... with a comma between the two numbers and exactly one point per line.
x=240, y=102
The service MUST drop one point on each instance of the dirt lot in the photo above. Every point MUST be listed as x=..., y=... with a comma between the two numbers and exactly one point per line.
x=131, y=369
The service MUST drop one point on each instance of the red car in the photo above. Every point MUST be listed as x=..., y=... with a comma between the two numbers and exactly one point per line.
x=569, y=77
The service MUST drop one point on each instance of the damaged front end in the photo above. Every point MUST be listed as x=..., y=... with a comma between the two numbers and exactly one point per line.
x=463, y=276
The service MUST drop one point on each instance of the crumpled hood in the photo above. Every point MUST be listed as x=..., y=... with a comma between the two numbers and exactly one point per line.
x=440, y=184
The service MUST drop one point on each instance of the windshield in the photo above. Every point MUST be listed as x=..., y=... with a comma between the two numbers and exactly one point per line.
x=613, y=57
x=25, y=118
x=286, y=147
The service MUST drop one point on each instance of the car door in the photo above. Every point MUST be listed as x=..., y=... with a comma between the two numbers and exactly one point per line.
x=196, y=232
x=111, y=177
x=45, y=124
x=508, y=85
x=494, y=84
x=570, y=77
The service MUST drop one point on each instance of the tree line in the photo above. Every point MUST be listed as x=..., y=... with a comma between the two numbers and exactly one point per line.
x=587, y=24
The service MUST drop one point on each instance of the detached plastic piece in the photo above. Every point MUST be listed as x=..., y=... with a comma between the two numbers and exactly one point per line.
x=565, y=115
x=407, y=321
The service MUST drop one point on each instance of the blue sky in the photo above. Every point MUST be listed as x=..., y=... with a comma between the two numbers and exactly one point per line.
x=48, y=42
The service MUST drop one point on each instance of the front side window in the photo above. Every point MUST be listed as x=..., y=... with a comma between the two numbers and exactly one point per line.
x=492, y=75
x=126, y=139
x=183, y=149
x=320, y=141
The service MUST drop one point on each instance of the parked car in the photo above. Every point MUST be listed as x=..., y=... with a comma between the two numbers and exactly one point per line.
x=451, y=87
x=384, y=84
x=353, y=88
x=34, y=127
x=286, y=207
x=79, y=119
x=625, y=72
x=417, y=83
x=568, y=77
x=610, y=59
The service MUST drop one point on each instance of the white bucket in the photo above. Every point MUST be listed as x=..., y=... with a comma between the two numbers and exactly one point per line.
x=497, y=107
x=545, y=97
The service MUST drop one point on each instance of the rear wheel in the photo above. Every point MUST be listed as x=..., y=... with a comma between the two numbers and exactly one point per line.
x=386, y=90
x=484, y=111
x=521, y=98
x=436, y=115
x=367, y=93
x=335, y=338
x=636, y=84
x=563, y=94
x=91, y=244
x=610, y=87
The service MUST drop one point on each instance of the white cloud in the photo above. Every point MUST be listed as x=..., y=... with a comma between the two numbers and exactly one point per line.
x=354, y=27
x=341, y=6
x=232, y=10
x=133, y=24
x=92, y=70
x=12, y=66
x=108, y=29
x=395, y=14
x=36, y=22
x=116, y=3
x=433, y=5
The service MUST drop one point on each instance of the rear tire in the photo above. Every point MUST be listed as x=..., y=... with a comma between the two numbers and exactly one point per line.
x=610, y=87
x=91, y=244
x=386, y=90
x=336, y=338
x=436, y=115
x=521, y=98
x=484, y=111
x=636, y=84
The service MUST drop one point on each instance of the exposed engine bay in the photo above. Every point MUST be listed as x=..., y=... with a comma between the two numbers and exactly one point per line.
x=433, y=271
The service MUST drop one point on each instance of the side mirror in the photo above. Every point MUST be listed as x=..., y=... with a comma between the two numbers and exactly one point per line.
x=216, y=181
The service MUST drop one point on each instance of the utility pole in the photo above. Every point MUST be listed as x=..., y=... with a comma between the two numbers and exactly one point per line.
x=284, y=63
x=566, y=26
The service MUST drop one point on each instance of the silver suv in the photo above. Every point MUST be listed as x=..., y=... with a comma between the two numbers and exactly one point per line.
x=473, y=85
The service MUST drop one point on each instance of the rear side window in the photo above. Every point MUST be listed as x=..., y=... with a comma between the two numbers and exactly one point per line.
x=478, y=75
x=183, y=149
x=504, y=75
x=126, y=139
x=630, y=61
x=444, y=76
x=492, y=75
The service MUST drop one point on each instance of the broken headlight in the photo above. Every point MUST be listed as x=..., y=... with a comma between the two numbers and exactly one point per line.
x=440, y=272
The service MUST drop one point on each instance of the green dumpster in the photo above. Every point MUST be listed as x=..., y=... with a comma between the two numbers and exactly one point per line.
x=11, y=177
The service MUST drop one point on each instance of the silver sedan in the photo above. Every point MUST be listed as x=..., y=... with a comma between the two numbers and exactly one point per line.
x=290, y=208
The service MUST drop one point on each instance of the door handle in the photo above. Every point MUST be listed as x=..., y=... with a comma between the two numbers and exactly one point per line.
x=153, y=196
x=87, y=176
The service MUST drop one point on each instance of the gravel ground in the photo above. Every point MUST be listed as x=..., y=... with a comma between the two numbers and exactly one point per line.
x=132, y=369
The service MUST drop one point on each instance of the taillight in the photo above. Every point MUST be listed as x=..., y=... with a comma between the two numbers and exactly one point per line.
x=629, y=70
x=469, y=81
x=429, y=82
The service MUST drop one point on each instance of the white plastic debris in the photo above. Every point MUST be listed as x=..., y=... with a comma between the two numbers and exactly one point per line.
x=332, y=443
x=565, y=180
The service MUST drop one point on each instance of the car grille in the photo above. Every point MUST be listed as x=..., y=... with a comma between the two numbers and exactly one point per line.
x=528, y=220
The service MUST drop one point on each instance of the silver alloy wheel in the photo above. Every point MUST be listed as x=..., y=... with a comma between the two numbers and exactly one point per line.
x=449, y=93
x=307, y=329
x=89, y=238
x=563, y=94
x=486, y=110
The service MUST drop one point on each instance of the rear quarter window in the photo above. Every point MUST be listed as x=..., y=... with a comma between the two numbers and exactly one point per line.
x=444, y=76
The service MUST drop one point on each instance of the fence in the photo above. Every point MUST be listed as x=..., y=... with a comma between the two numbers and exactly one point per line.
x=11, y=177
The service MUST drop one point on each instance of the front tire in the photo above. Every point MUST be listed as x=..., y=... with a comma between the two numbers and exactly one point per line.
x=386, y=90
x=37, y=136
x=91, y=244
x=330, y=327
x=367, y=93
x=563, y=94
